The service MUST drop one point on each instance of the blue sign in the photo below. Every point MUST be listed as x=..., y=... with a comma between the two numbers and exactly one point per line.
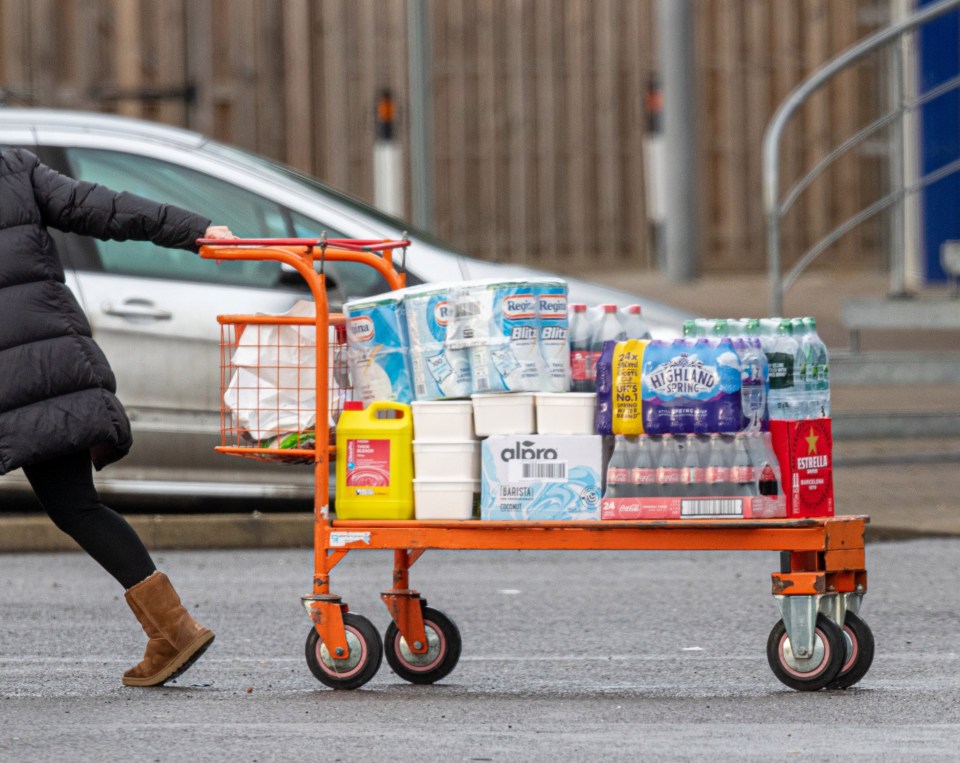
x=940, y=137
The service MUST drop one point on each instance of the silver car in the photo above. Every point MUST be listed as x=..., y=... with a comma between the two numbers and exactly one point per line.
x=153, y=311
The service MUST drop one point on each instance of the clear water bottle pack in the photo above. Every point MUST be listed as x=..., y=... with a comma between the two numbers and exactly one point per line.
x=796, y=358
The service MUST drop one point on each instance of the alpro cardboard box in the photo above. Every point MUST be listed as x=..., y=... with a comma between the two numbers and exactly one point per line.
x=805, y=452
x=541, y=477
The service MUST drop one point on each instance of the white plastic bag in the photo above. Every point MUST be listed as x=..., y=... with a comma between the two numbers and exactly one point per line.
x=273, y=388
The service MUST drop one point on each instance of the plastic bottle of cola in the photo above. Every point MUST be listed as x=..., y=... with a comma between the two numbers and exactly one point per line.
x=743, y=473
x=579, y=330
x=765, y=463
x=644, y=474
x=717, y=474
x=693, y=468
x=668, y=469
x=619, y=470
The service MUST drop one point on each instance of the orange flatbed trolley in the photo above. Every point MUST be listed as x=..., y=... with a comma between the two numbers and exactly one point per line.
x=283, y=374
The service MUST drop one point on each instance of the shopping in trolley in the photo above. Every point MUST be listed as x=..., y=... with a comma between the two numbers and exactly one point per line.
x=285, y=382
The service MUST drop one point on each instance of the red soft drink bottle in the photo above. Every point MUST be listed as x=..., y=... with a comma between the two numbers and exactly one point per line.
x=582, y=375
x=607, y=329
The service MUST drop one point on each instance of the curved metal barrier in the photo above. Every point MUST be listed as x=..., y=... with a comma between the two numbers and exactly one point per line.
x=776, y=207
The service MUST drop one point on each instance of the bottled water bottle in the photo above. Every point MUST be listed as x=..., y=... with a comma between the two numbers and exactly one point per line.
x=633, y=324
x=719, y=328
x=607, y=328
x=806, y=383
x=821, y=371
x=757, y=363
x=579, y=330
x=644, y=473
x=782, y=359
x=753, y=382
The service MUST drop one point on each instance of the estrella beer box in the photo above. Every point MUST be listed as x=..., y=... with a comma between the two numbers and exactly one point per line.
x=541, y=477
x=805, y=452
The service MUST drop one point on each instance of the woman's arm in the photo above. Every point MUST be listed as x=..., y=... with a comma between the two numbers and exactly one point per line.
x=90, y=209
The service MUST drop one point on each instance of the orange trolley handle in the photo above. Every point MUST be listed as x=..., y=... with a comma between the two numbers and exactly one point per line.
x=375, y=254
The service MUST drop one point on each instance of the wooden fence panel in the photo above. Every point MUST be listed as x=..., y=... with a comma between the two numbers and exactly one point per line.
x=538, y=122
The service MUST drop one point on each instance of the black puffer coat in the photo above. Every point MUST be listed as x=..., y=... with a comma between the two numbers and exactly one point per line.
x=56, y=387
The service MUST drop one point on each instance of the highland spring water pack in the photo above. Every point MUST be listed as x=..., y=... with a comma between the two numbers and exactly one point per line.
x=439, y=371
x=691, y=387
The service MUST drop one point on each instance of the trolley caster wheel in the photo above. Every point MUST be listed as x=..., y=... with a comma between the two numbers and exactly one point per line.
x=366, y=654
x=441, y=657
x=808, y=673
x=859, y=652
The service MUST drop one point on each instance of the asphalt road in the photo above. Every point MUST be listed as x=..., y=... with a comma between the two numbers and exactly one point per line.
x=567, y=656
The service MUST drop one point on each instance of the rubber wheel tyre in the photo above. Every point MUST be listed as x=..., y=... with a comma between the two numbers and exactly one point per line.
x=441, y=657
x=366, y=655
x=859, y=652
x=812, y=673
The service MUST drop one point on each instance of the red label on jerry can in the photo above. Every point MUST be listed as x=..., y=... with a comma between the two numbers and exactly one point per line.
x=805, y=452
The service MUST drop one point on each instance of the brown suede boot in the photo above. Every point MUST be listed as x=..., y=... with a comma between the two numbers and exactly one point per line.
x=176, y=640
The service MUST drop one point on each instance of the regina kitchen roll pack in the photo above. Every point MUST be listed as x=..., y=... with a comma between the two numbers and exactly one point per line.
x=460, y=338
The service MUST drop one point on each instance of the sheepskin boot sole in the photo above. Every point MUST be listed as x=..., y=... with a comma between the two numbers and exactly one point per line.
x=175, y=639
x=176, y=666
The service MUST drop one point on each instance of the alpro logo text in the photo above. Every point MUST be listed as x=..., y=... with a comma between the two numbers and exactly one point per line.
x=526, y=451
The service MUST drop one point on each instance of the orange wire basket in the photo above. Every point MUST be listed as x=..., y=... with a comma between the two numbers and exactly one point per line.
x=268, y=385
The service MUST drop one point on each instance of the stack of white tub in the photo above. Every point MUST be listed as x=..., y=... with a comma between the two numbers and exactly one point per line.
x=446, y=459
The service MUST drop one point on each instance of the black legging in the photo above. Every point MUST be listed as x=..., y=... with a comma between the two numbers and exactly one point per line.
x=65, y=488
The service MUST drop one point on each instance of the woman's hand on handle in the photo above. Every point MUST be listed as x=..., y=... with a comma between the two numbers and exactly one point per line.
x=218, y=231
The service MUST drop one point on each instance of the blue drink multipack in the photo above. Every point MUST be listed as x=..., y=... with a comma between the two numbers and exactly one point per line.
x=691, y=387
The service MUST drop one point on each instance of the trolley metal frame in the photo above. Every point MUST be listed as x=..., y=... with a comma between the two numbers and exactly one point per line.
x=821, y=581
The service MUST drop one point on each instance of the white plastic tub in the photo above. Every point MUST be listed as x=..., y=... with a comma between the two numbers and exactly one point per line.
x=503, y=413
x=444, y=499
x=442, y=420
x=566, y=412
x=447, y=460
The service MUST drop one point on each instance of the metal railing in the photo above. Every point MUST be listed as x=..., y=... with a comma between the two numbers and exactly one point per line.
x=775, y=208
